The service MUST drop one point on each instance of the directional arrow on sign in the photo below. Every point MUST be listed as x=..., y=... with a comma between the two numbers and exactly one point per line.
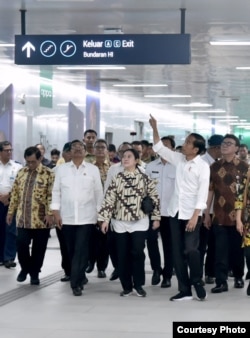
x=28, y=46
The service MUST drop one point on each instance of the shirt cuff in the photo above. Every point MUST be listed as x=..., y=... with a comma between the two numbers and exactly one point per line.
x=55, y=206
x=157, y=146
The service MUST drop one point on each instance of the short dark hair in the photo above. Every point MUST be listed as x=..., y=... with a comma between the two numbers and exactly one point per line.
x=170, y=139
x=89, y=131
x=111, y=147
x=134, y=151
x=199, y=142
x=66, y=146
x=136, y=143
x=243, y=145
x=233, y=137
x=101, y=140
x=77, y=141
x=32, y=150
x=145, y=143
x=4, y=144
x=55, y=152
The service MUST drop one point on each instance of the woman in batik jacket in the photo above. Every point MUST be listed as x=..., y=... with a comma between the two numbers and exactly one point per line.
x=122, y=202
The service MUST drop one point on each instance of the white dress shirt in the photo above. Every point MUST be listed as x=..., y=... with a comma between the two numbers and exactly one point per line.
x=8, y=174
x=164, y=174
x=210, y=160
x=77, y=193
x=191, y=184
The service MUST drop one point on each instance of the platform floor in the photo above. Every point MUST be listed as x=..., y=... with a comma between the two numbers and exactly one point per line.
x=50, y=310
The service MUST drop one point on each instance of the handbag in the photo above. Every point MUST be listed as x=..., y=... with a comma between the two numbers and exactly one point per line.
x=147, y=204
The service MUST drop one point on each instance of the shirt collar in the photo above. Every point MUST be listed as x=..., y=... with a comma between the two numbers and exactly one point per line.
x=235, y=160
x=39, y=169
x=72, y=164
x=8, y=163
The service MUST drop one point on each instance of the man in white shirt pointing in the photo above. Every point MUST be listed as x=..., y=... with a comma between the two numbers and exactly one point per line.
x=185, y=209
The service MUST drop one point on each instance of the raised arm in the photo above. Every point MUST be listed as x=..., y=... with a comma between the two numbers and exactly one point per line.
x=153, y=123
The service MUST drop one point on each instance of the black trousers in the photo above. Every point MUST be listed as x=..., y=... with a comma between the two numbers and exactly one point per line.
x=131, y=258
x=153, y=248
x=77, y=241
x=227, y=239
x=166, y=239
x=31, y=261
x=112, y=248
x=98, y=249
x=186, y=253
x=3, y=214
x=207, y=251
x=247, y=255
x=65, y=263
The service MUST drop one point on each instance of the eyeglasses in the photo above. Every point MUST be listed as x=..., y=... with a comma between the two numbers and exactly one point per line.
x=8, y=150
x=228, y=144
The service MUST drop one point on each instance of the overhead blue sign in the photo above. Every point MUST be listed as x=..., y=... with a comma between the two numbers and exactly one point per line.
x=133, y=49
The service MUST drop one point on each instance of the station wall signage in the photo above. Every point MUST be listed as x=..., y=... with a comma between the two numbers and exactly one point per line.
x=133, y=49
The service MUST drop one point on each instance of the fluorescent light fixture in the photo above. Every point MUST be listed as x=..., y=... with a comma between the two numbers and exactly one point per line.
x=229, y=43
x=228, y=120
x=140, y=85
x=7, y=45
x=64, y=0
x=224, y=117
x=210, y=111
x=167, y=96
x=243, y=68
x=91, y=67
x=194, y=104
x=239, y=123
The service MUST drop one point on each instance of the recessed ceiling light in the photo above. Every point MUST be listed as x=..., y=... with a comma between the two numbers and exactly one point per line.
x=229, y=43
x=224, y=117
x=140, y=85
x=167, y=96
x=210, y=111
x=243, y=68
x=7, y=45
x=90, y=67
x=194, y=104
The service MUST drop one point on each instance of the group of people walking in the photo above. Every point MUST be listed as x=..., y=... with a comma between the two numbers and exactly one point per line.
x=200, y=206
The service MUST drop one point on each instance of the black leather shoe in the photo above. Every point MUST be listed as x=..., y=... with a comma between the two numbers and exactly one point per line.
x=90, y=268
x=65, y=278
x=101, y=274
x=9, y=264
x=156, y=278
x=22, y=276
x=34, y=281
x=220, y=288
x=209, y=280
x=238, y=283
x=166, y=283
x=77, y=291
x=114, y=275
x=85, y=280
x=248, y=289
